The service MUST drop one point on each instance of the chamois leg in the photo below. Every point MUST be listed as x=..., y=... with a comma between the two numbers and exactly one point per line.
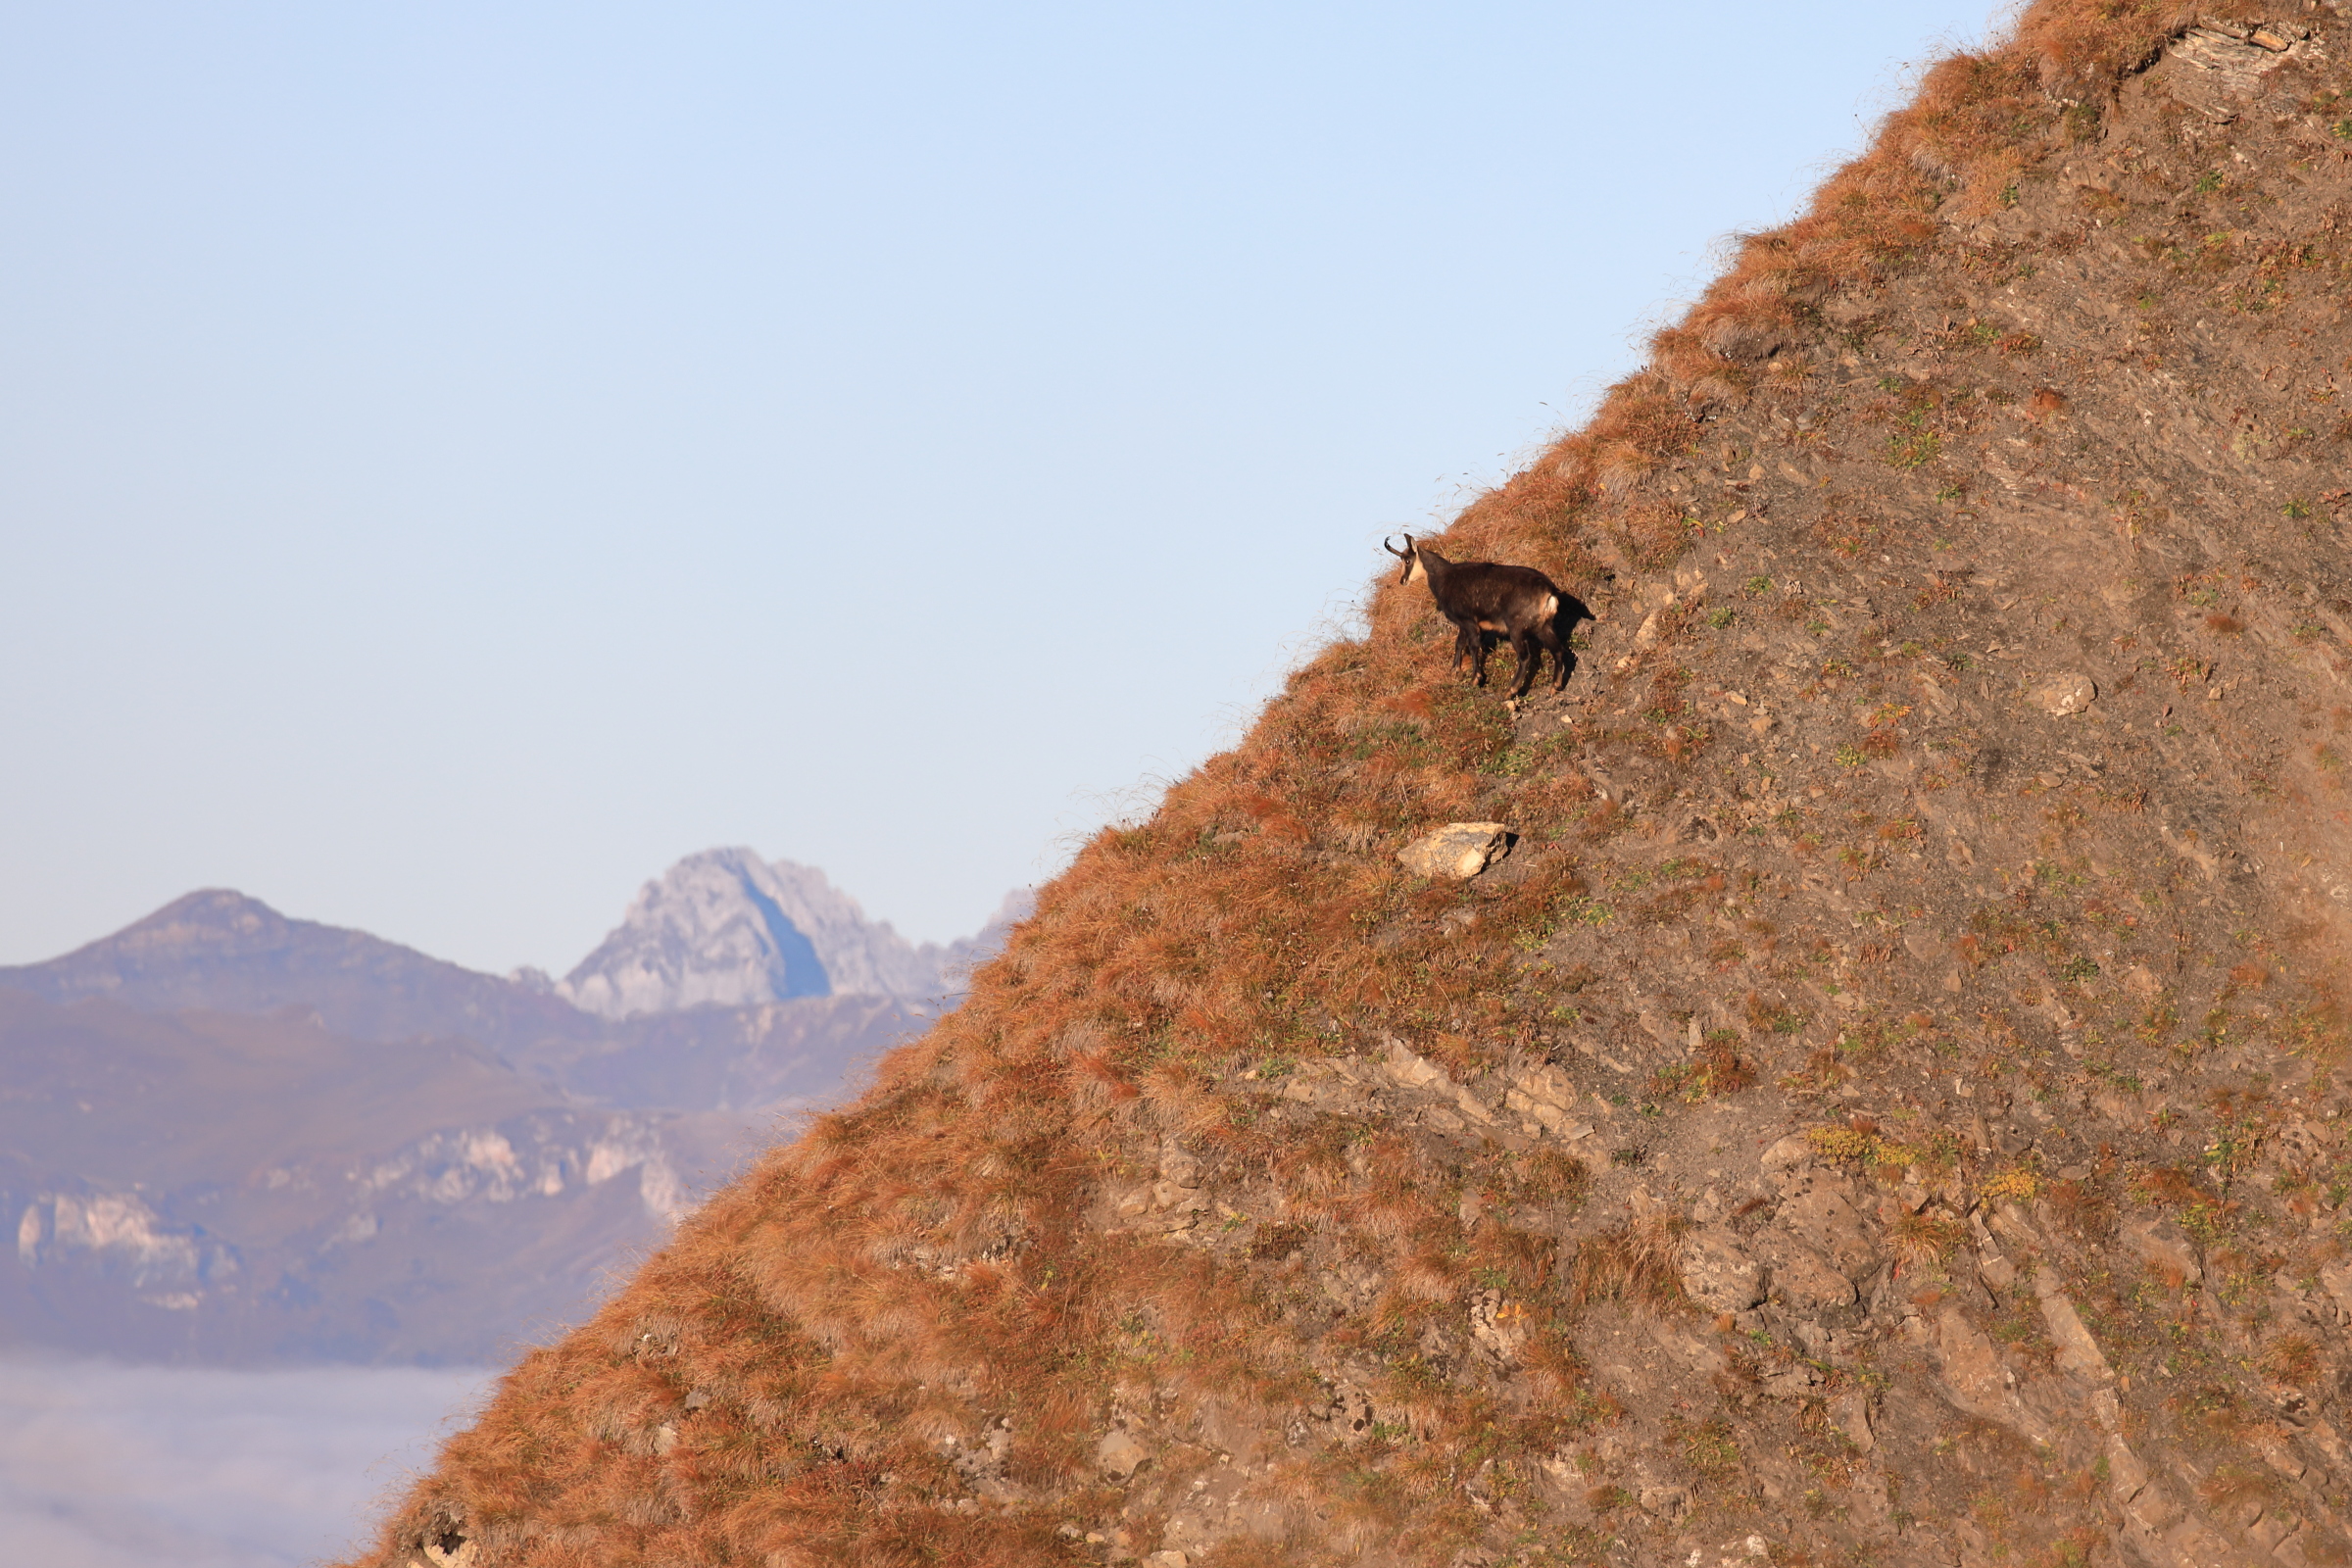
x=1464, y=647
x=1477, y=639
x=1548, y=634
x=1523, y=649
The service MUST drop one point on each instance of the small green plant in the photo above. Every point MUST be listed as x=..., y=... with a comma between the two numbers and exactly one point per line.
x=1915, y=446
x=1758, y=587
x=1711, y=1449
x=1720, y=618
x=2295, y=508
x=1851, y=756
x=2209, y=182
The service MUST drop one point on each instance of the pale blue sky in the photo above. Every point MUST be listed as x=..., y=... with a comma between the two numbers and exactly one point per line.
x=457, y=459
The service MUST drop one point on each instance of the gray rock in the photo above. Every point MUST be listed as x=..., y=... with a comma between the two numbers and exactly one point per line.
x=1665, y=1501
x=1849, y=1413
x=1718, y=1275
x=1801, y=1279
x=2070, y=693
x=1119, y=1454
x=1826, y=1221
x=2165, y=1250
x=1457, y=852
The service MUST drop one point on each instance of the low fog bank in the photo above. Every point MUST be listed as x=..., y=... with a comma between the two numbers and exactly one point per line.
x=107, y=1466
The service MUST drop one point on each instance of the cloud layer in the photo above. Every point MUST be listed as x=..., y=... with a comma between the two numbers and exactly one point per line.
x=107, y=1466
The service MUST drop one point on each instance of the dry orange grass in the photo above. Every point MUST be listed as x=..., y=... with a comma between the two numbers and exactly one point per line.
x=1632, y=1263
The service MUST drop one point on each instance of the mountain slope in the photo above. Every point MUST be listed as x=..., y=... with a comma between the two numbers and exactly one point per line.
x=1885, y=1107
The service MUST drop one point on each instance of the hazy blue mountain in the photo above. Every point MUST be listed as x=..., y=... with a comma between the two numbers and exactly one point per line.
x=210, y=1186
x=231, y=1136
x=222, y=951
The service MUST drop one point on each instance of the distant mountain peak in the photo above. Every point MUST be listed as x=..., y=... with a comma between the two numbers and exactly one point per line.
x=225, y=950
x=724, y=927
x=208, y=916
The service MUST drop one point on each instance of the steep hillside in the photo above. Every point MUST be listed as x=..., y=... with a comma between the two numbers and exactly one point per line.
x=1886, y=1106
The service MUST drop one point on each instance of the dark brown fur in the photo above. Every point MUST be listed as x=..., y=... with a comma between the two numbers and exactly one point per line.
x=1483, y=596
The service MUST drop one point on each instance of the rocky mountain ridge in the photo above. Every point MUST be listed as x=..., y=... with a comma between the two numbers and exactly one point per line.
x=1886, y=1104
x=726, y=928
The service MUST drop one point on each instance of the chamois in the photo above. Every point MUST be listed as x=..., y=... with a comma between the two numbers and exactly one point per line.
x=1481, y=596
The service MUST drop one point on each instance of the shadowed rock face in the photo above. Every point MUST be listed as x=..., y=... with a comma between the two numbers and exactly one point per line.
x=1888, y=1105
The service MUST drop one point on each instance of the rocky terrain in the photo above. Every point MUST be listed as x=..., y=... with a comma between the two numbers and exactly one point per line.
x=231, y=1137
x=1877, y=1096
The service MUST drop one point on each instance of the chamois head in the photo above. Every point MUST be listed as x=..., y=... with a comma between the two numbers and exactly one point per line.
x=1411, y=555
